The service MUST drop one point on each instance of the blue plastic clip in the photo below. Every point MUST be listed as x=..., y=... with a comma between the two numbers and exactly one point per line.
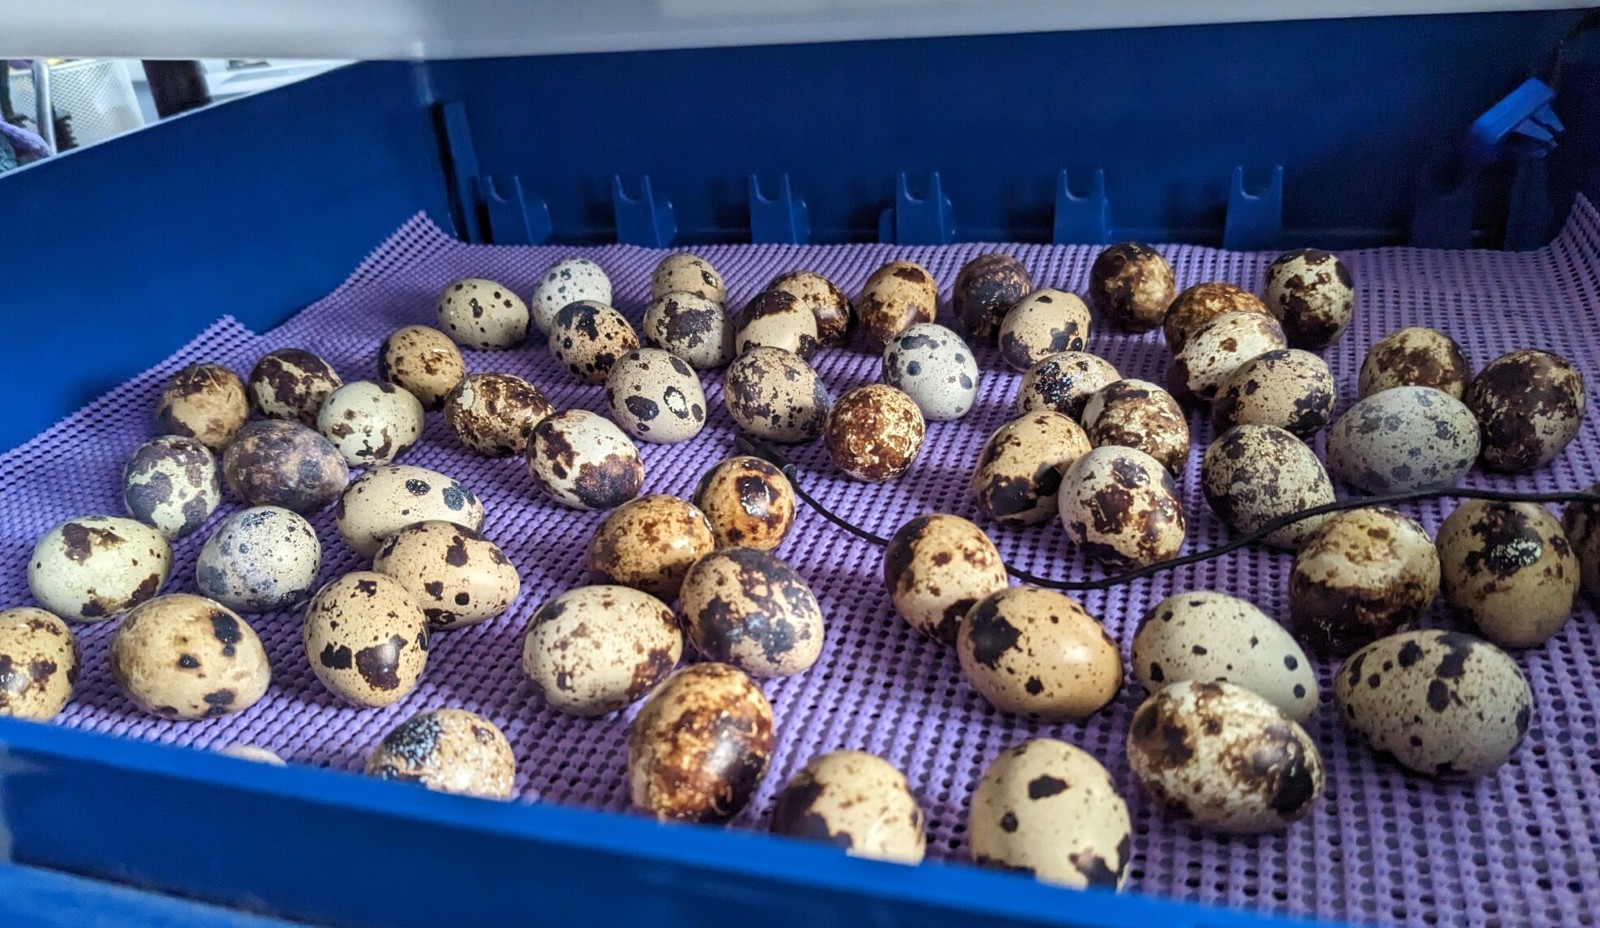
x=516, y=219
x=1523, y=123
x=918, y=221
x=456, y=132
x=1084, y=220
x=1255, y=220
x=644, y=221
x=781, y=220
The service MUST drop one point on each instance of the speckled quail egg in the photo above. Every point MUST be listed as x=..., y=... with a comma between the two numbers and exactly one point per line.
x=748, y=501
x=897, y=296
x=366, y=638
x=188, y=657
x=649, y=543
x=692, y=327
x=777, y=319
x=204, y=401
x=252, y=753
x=1415, y=357
x=656, y=396
x=1529, y=404
x=1311, y=293
x=935, y=368
x=1217, y=348
x=482, y=314
x=857, y=802
x=836, y=318
x=936, y=568
x=775, y=395
x=1286, y=387
x=985, y=290
x=1201, y=635
x=1403, y=439
x=700, y=746
x=1224, y=758
x=172, y=483
x=1064, y=382
x=1441, y=703
x=747, y=608
x=422, y=361
x=1202, y=303
x=583, y=461
x=588, y=337
x=276, y=463
x=38, y=664
x=291, y=383
x=260, y=559
x=455, y=574
x=448, y=750
x=386, y=499
x=1051, y=810
x=1364, y=574
x=874, y=433
x=371, y=423
x=1508, y=569
x=96, y=568
x=1139, y=414
x=1581, y=523
x=1018, y=474
x=1037, y=653
x=494, y=414
x=1131, y=286
x=1120, y=505
x=567, y=281
x=597, y=649
x=1043, y=323
x=688, y=273
x=1253, y=474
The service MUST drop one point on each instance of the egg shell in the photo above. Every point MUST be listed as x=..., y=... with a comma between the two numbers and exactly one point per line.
x=95, y=568
x=1403, y=439
x=370, y=423
x=935, y=368
x=897, y=296
x=291, y=383
x=583, y=461
x=454, y=573
x=649, y=544
x=386, y=499
x=1131, y=286
x=1064, y=382
x=494, y=414
x=38, y=664
x=1202, y=303
x=857, y=802
x=261, y=559
x=836, y=318
x=567, y=281
x=1364, y=574
x=874, y=433
x=173, y=484
x=203, y=401
x=1224, y=758
x=1043, y=323
x=688, y=273
x=275, y=463
x=366, y=639
x=700, y=746
x=747, y=608
x=985, y=291
x=1201, y=635
x=748, y=501
x=936, y=568
x=1218, y=347
x=1581, y=523
x=1139, y=414
x=252, y=753
x=1415, y=357
x=188, y=657
x=656, y=396
x=1285, y=387
x=775, y=395
x=1018, y=474
x=1037, y=653
x=1311, y=293
x=587, y=338
x=1530, y=405
x=450, y=751
x=692, y=327
x=1119, y=505
x=422, y=361
x=1051, y=810
x=597, y=649
x=1253, y=474
x=482, y=314
x=1507, y=568
x=777, y=319
x=1443, y=704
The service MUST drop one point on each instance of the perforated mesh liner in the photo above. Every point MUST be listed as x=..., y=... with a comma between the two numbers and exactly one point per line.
x=1518, y=847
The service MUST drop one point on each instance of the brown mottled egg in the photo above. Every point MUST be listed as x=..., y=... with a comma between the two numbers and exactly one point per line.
x=777, y=319
x=985, y=291
x=277, y=463
x=936, y=567
x=1019, y=469
x=1037, y=653
x=692, y=327
x=1051, y=810
x=874, y=433
x=1120, y=505
x=583, y=461
x=836, y=318
x=1139, y=414
x=172, y=483
x=261, y=559
x=935, y=368
x=649, y=543
x=1063, y=382
x=450, y=751
x=95, y=568
x=567, y=281
x=1581, y=522
x=1219, y=347
x=1286, y=387
x=494, y=414
x=1530, y=405
x=291, y=383
x=597, y=649
x=1253, y=474
x=588, y=337
x=1507, y=568
x=898, y=295
x=1202, y=303
x=1224, y=758
x=749, y=609
x=422, y=361
x=204, y=401
x=252, y=753
x=775, y=395
x=188, y=657
x=1043, y=323
x=1415, y=357
x=1364, y=574
x=1131, y=286
x=38, y=664
x=371, y=423
x=386, y=499
x=366, y=638
x=698, y=749
x=1310, y=292
x=687, y=273
x=455, y=574
x=482, y=314
x=1405, y=438
x=857, y=802
x=749, y=502
x=656, y=396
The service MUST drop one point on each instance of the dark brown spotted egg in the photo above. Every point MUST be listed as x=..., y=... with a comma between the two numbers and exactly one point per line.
x=1285, y=387
x=1415, y=357
x=370, y=422
x=1043, y=323
x=494, y=414
x=38, y=664
x=96, y=568
x=385, y=500
x=748, y=501
x=450, y=751
x=1529, y=405
x=935, y=368
x=776, y=319
x=1064, y=382
x=898, y=295
x=583, y=461
x=1311, y=293
x=482, y=314
x=1508, y=570
x=649, y=544
x=172, y=483
x=276, y=463
x=775, y=395
x=1131, y=286
x=567, y=281
x=455, y=574
x=188, y=657
x=1217, y=348
x=688, y=273
x=836, y=318
x=291, y=383
x=1039, y=654
x=747, y=608
x=692, y=327
x=422, y=361
x=1581, y=523
x=936, y=567
x=1202, y=303
x=1253, y=474
x=699, y=748
x=857, y=802
x=588, y=337
x=366, y=638
x=1139, y=414
x=597, y=649
x=656, y=396
x=1018, y=474
x=261, y=559
x=203, y=401
x=985, y=291
x=1364, y=574
x=1119, y=505
x=1403, y=439
x=874, y=433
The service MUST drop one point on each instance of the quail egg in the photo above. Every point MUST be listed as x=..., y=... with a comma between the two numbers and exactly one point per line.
x=583, y=461
x=38, y=664
x=649, y=543
x=692, y=327
x=567, y=281
x=1581, y=523
x=1364, y=574
x=855, y=801
x=1131, y=286
x=699, y=748
x=252, y=753
x=777, y=319
x=260, y=559
x=688, y=273
x=1220, y=346
x=1285, y=387
x=935, y=368
x=371, y=423
x=874, y=433
x=936, y=568
x=1037, y=653
x=1019, y=470
x=1202, y=303
x=836, y=318
x=1529, y=405
x=656, y=396
x=1253, y=474
x=1064, y=382
x=597, y=649
x=386, y=499
x=172, y=483
x=775, y=395
x=1139, y=414
x=96, y=568
x=448, y=750
x=1119, y=505
x=291, y=383
x=422, y=361
x=1415, y=357
x=494, y=414
x=366, y=638
x=454, y=573
x=188, y=657
x=897, y=296
x=747, y=608
x=1402, y=439
x=482, y=314
x=1043, y=323
x=275, y=463
x=748, y=501
x=1507, y=567
x=985, y=291
x=1310, y=292
x=203, y=401
x=587, y=338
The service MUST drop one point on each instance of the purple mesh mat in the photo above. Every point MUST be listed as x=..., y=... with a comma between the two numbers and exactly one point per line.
x=1519, y=847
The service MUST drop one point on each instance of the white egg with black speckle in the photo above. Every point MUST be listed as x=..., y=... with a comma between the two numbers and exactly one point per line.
x=260, y=560
x=478, y=313
x=567, y=281
x=1403, y=439
x=172, y=483
x=934, y=366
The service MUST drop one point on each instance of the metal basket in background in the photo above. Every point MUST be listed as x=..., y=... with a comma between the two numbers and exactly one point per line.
x=92, y=98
